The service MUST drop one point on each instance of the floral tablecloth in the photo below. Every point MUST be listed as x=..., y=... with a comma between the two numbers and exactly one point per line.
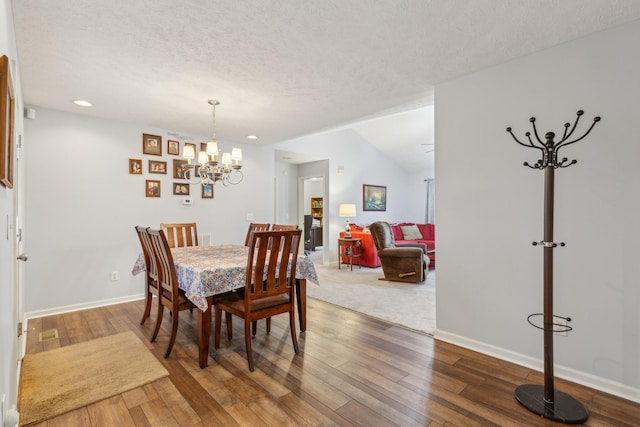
x=209, y=270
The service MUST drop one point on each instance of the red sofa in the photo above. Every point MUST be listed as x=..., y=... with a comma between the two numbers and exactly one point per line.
x=369, y=257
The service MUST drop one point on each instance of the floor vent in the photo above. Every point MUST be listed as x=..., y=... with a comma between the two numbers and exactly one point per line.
x=51, y=334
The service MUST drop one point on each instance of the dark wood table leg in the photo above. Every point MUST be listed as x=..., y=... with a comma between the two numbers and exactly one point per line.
x=301, y=294
x=204, y=330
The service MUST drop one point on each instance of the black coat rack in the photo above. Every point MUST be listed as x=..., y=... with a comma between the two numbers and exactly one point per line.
x=544, y=400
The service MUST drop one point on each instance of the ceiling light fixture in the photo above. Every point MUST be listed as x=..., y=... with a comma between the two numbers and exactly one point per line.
x=83, y=103
x=252, y=136
x=212, y=166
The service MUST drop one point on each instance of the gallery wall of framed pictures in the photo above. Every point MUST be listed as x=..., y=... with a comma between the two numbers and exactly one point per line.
x=156, y=163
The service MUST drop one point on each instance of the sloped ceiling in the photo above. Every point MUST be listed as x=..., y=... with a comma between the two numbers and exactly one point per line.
x=282, y=68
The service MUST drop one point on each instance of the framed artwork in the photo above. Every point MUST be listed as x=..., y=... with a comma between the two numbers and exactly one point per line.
x=135, y=166
x=179, y=168
x=203, y=146
x=173, y=147
x=374, y=198
x=151, y=144
x=189, y=144
x=7, y=119
x=157, y=167
x=207, y=191
x=152, y=188
x=181, y=189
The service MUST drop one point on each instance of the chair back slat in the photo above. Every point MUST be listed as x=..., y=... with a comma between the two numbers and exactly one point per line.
x=271, y=263
x=255, y=227
x=181, y=234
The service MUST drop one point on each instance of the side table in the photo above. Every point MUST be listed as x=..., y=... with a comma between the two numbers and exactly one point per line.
x=351, y=248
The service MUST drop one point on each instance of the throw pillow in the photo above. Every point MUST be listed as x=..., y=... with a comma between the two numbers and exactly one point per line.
x=411, y=232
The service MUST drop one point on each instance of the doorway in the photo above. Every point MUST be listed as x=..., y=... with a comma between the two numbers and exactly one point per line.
x=313, y=211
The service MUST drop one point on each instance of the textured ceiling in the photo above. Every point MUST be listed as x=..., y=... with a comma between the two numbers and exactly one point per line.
x=281, y=68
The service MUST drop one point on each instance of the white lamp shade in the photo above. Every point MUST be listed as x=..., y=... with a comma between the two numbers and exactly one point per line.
x=212, y=148
x=226, y=158
x=347, y=210
x=236, y=154
x=203, y=157
x=188, y=152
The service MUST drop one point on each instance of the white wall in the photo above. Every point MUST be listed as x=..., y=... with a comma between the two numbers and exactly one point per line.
x=489, y=209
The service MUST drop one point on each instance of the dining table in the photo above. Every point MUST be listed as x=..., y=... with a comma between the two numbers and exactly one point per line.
x=206, y=271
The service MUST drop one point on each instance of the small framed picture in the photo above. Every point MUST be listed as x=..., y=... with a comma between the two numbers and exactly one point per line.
x=180, y=189
x=207, y=191
x=135, y=166
x=152, y=188
x=374, y=198
x=157, y=167
x=173, y=147
x=151, y=144
x=203, y=146
x=189, y=144
x=179, y=168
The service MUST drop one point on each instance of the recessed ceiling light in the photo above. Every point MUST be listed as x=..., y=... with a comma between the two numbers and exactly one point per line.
x=252, y=137
x=83, y=103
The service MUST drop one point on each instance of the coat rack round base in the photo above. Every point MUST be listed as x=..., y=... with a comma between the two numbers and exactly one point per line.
x=564, y=409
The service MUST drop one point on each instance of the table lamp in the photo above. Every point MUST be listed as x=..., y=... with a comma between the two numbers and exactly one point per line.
x=347, y=210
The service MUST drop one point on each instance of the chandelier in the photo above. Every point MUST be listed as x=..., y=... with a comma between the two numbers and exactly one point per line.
x=213, y=166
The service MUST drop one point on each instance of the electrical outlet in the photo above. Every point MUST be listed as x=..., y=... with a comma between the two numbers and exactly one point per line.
x=114, y=276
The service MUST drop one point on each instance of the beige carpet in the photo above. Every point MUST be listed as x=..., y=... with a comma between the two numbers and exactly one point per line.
x=408, y=305
x=58, y=381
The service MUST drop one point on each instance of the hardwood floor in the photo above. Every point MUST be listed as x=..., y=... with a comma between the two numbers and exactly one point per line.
x=353, y=370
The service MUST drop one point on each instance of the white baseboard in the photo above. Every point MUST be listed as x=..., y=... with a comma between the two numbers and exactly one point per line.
x=77, y=307
x=579, y=377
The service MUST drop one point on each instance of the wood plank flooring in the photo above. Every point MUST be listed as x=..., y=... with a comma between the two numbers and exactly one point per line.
x=353, y=370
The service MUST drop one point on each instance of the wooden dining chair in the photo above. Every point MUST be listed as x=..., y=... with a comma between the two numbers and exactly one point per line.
x=255, y=227
x=151, y=271
x=269, y=287
x=274, y=227
x=181, y=234
x=169, y=296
